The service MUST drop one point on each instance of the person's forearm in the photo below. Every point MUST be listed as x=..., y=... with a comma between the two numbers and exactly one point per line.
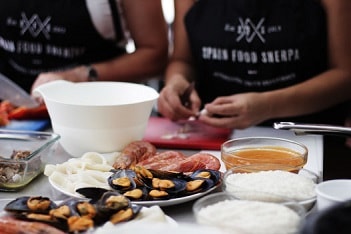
x=323, y=91
x=135, y=67
x=178, y=71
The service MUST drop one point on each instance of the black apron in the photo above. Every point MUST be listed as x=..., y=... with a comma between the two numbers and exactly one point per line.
x=39, y=36
x=258, y=45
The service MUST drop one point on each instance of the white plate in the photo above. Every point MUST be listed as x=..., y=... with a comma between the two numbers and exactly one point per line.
x=169, y=202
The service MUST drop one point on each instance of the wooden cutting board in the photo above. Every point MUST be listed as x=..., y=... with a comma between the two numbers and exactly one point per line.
x=165, y=133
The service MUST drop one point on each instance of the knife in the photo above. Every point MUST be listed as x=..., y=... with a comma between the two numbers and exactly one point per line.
x=15, y=94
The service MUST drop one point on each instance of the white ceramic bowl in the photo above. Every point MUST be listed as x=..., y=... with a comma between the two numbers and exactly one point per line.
x=97, y=116
x=332, y=192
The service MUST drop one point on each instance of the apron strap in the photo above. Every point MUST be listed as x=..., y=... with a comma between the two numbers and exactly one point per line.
x=116, y=19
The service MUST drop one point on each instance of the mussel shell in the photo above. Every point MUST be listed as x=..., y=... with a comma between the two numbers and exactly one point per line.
x=215, y=175
x=127, y=173
x=206, y=185
x=101, y=203
x=167, y=174
x=179, y=187
x=72, y=204
x=144, y=195
x=19, y=205
x=104, y=212
x=136, y=209
x=213, y=180
x=93, y=193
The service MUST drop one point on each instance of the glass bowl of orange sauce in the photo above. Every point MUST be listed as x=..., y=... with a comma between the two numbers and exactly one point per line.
x=264, y=150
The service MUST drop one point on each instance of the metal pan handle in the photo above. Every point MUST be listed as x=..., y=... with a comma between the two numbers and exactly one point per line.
x=320, y=129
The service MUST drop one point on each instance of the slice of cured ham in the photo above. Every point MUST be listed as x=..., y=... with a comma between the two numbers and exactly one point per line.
x=176, y=161
x=144, y=154
x=166, y=161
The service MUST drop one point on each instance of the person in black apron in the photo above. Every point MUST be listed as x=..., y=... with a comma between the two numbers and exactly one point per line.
x=81, y=40
x=259, y=61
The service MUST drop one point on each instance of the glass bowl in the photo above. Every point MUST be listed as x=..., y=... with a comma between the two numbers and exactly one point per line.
x=271, y=182
x=23, y=155
x=255, y=150
x=241, y=216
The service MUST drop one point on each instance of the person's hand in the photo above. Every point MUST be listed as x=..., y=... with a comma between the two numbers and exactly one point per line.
x=171, y=106
x=238, y=111
x=78, y=74
x=45, y=78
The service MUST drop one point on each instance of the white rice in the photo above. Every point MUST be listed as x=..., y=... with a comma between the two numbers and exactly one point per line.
x=250, y=217
x=270, y=186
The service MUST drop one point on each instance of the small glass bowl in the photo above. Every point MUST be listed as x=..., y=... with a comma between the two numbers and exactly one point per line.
x=231, y=214
x=255, y=150
x=271, y=191
x=36, y=149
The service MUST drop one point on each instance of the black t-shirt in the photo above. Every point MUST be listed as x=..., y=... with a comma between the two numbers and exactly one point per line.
x=39, y=36
x=258, y=45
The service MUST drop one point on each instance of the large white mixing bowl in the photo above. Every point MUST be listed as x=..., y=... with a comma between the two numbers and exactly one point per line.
x=97, y=116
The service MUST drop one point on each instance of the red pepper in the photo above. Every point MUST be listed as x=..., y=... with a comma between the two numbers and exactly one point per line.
x=4, y=120
x=23, y=112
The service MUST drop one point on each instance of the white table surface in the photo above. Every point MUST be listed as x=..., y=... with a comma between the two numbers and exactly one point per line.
x=182, y=213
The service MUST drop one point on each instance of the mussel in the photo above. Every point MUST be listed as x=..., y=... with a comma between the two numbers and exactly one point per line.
x=74, y=215
x=165, y=187
x=160, y=184
x=92, y=193
x=36, y=204
x=123, y=180
x=115, y=207
x=34, y=208
x=137, y=194
x=125, y=214
x=202, y=180
x=142, y=184
x=112, y=201
x=74, y=207
x=214, y=175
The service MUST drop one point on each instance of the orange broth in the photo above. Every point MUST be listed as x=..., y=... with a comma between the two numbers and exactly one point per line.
x=269, y=154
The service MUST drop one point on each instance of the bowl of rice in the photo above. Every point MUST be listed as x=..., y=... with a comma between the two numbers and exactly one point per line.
x=262, y=183
x=240, y=216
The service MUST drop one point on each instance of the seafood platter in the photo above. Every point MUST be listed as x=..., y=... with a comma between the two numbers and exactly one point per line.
x=145, y=176
x=130, y=181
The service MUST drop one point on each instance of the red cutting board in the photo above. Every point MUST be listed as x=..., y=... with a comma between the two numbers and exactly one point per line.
x=165, y=133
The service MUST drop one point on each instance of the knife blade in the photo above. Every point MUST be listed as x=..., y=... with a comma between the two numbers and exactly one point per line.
x=15, y=94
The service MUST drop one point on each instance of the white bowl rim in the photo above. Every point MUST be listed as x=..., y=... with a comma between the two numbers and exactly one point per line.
x=328, y=182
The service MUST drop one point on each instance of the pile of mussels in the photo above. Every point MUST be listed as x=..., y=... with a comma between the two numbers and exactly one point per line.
x=74, y=215
x=141, y=184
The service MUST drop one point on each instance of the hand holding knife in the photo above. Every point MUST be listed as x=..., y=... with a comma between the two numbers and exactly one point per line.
x=185, y=97
x=185, y=100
